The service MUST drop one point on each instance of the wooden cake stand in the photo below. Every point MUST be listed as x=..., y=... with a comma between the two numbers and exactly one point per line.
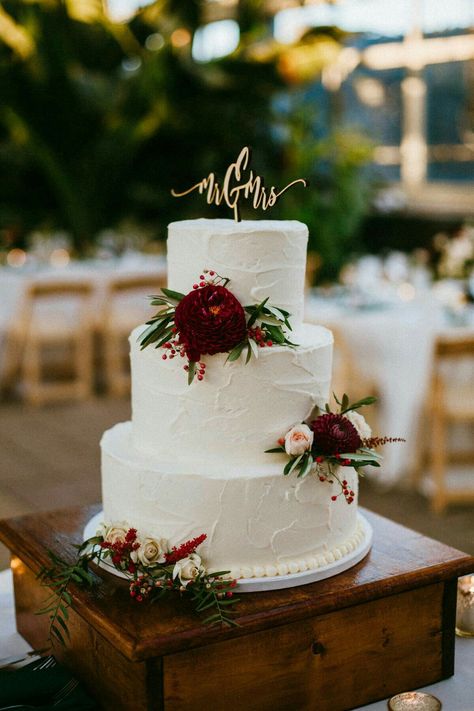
x=382, y=627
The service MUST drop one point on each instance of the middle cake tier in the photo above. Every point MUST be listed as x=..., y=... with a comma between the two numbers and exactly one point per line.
x=237, y=412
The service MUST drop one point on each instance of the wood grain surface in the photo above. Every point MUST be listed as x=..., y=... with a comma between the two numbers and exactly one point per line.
x=331, y=662
x=400, y=560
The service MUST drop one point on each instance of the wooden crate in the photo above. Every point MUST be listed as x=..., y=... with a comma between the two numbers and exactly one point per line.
x=382, y=627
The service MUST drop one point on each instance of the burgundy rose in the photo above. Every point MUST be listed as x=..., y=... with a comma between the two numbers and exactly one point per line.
x=334, y=434
x=209, y=320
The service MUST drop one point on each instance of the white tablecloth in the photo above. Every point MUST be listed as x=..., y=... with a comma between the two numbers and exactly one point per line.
x=456, y=693
x=131, y=308
x=393, y=346
x=13, y=282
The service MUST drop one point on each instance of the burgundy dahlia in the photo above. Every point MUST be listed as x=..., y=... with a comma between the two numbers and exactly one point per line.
x=334, y=434
x=210, y=320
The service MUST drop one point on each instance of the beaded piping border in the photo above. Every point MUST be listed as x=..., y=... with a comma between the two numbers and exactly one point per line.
x=303, y=564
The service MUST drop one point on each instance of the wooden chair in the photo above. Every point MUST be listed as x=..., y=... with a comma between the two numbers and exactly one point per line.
x=449, y=402
x=37, y=330
x=313, y=265
x=117, y=323
x=346, y=378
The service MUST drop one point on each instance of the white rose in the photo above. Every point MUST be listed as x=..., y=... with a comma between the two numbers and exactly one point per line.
x=188, y=569
x=363, y=429
x=298, y=440
x=113, y=532
x=151, y=550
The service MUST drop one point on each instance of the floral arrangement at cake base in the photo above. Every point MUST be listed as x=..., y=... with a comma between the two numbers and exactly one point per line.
x=153, y=570
x=211, y=320
x=330, y=441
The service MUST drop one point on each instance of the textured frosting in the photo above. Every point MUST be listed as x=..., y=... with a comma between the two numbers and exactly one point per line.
x=193, y=458
x=237, y=412
x=262, y=258
x=257, y=524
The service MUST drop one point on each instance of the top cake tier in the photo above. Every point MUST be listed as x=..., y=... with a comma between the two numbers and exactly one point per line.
x=262, y=258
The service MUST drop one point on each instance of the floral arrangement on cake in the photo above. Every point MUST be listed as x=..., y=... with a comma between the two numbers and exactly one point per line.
x=332, y=440
x=209, y=320
x=152, y=567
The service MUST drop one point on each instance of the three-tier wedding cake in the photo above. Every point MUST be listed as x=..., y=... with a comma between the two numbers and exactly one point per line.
x=193, y=459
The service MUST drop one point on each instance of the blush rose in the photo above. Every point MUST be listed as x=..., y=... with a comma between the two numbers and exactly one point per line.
x=298, y=440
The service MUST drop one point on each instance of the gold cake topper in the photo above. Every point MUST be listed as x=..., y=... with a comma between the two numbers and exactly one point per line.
x=233, y=189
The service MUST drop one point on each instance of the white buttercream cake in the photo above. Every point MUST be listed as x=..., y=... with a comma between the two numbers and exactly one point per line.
x=192, y=460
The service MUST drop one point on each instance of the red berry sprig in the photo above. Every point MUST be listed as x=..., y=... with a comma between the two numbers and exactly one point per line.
x=185, y=549
x=209, y=276
x=140, y=588
x=348, y=494
x=260, y=337
x=120, y=550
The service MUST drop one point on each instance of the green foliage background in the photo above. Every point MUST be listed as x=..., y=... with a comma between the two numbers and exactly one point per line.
x=95, y=127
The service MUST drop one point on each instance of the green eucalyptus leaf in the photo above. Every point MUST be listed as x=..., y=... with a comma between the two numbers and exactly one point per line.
x=256, y=313
x=191, y=371
x=276, y=313
x=287, y=468
x=218, y=574
x=174, y=295
x=249, y=353
x=225, y=603
x=354, y=456
x=161, y=301
x=57, y=633
x=295, y=463
x=201, y=607
x=235, y=352
x=307, y=466
x=212, y=619
x=67, y=597
x=165, y=337
x=155, y=332
x=365, y=463
x=253, y=345
x=282, y=311
x=147, y=332
x=267, y=319
x=371, y=452
x=84, y=575
x=361, y=403
x=45, y=610
x=63, y=625
x=276, y=333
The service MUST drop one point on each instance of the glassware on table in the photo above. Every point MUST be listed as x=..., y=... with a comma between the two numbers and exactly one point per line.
x=414, y=701
x=465, y=607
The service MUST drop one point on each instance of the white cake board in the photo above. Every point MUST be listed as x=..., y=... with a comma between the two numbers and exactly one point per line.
x=277, y=582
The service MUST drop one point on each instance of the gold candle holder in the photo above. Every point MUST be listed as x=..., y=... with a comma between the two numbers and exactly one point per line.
x=465, y=607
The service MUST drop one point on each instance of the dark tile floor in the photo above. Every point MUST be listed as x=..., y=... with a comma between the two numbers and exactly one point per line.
x=49, y=458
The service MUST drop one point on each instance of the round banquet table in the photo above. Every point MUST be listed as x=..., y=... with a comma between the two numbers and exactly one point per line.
x=392, y=345
x=455, y=693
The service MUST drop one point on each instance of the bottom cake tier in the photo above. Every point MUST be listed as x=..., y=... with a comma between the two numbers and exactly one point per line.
x=257, y=523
